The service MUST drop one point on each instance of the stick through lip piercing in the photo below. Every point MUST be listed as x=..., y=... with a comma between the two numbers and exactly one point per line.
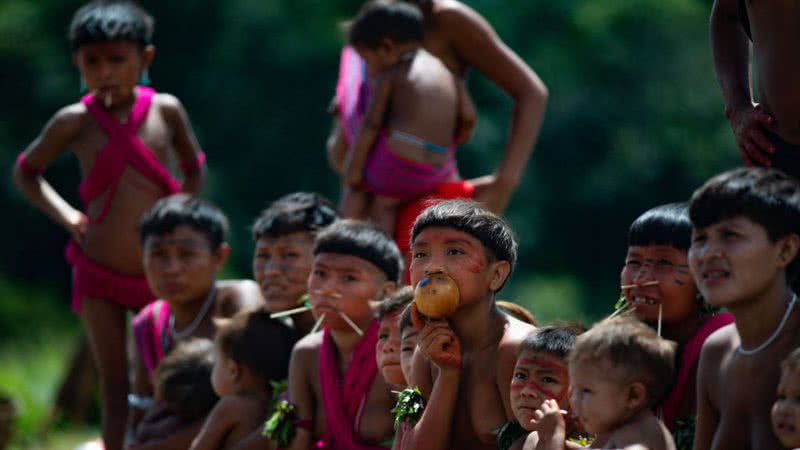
x=289, y=312
x=649, y=283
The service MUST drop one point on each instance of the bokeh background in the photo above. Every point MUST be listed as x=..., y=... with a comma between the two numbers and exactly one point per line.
x=634, y=120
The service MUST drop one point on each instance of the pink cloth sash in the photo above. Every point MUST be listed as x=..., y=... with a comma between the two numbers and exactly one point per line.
x=689, y=359
x=151, y=334
x=352, y=92
x=344, y=399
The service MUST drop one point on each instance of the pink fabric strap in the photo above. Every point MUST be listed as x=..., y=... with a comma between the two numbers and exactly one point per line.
x=150, y=332
x=342, y=399
x=352, y=92
x=194, y=164
x=689, y=358
x=26, y=168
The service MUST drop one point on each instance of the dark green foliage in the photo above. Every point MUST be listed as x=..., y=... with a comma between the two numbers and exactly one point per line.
x=409, y=407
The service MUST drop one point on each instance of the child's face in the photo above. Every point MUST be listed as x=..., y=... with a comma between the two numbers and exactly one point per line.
x=180, y=266
x=537, y=376
x=345, y=284
x=281, y=266
x=387, y=351
x=223, y=378
x=112, y=69
x=460, y=256
x=408, y=347
x=379, y=58
x=599, y=403
x=734, y=259
x=786, y=410
x=675, y=293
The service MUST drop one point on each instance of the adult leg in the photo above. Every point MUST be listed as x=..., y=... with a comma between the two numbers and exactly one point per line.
x=354, y=203
x=104, y=323
x=384, y=211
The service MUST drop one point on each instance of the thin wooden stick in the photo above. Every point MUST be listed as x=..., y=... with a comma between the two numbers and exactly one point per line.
x=351, y=323
x=622, y=310
x=108, y=100
x=649, y=283
x=659, y=318
x=289, y=312
x=327, y=294
x=316, y=325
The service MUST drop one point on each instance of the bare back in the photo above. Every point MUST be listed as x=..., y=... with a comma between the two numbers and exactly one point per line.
x=775, y=26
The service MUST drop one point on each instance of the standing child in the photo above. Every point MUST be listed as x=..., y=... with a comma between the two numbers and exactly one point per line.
x=388, y=350
x=618, y=370
x=340, y=401
x=659, y=289
x=471, y=355
x=122, y=134
x=245, y=364
x=786, y=409
x=743, y=257
x=403, y=148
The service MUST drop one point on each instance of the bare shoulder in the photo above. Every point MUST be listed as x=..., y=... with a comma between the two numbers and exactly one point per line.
x=238, y=295
x=69, y=120
x=515, y=332
x=308, y=346
x=170, y=107
x=718, y=344
x=647, y=431
x=459, y=16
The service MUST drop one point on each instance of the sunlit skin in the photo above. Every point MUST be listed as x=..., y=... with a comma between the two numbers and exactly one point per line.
x=223, y=374
x=596, y=400
x=388, y=350
x=786, y=409
x=537, y=376
x=281, y=266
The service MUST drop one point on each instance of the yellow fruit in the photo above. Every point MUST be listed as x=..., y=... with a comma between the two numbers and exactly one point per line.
x=437, y=296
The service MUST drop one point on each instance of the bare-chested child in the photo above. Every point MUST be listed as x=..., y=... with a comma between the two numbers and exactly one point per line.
x=245, y=364
x=123, y=134
x=618, y=370
x=341, y=401
x=786, y=409
x=767, y=125
x=540, y=374
x=388, y=350
x=403, y=149
x=184, y=248
x=743, y=257
x=471, y=355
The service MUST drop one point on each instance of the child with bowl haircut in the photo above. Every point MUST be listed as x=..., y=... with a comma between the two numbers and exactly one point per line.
x=618, y=371
x=123, y=134
x=340, y=401
x=471, y=355
x=743, y=258
x=540, y=374
x=246, y=364
x=388, y=350
x=786, y=409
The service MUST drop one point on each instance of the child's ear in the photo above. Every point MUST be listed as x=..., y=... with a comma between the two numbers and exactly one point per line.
x=789, y=246
x=499, y=271
x=148, y=54
x=637, y=395
x=233, y=368
x=221, y=255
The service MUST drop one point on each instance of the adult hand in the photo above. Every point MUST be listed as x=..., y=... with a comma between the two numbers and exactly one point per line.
x=77, y=225
x=748, y=126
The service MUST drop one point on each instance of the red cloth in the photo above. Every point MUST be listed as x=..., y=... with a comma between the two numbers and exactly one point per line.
x=344, y=399
x=689, y=359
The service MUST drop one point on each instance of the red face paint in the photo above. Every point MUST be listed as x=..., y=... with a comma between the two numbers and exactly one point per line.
x=533, y=384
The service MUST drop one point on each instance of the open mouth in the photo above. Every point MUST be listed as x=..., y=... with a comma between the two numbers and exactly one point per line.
x=639, y=300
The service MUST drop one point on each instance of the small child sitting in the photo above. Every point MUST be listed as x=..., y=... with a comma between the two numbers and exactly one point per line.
x=388, y=350
x=540, y=374
x=183, y=387
x=618, y=371
x=786, y=409
x=245, y=365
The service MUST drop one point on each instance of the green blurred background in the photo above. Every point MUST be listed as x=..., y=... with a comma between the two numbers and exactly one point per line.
x=634, y=120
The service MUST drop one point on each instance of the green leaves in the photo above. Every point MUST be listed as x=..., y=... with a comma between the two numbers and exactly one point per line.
x=279, y=428
x=409, y=407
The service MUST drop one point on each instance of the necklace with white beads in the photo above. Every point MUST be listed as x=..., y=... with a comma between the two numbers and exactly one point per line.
x=775, y=335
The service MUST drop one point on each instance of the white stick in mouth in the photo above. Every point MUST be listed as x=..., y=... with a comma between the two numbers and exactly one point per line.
x=107, y=100
x=659, y=318
x=289, y=312
x=316, y=325
x=620, y=311
x=327, y=294
x=351, y=323
x=649, y=283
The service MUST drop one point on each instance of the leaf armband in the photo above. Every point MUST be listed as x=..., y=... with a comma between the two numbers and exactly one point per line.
x=409, y=407
x=280, y=427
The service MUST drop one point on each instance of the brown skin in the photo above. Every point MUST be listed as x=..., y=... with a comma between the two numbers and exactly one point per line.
x=111, y=68
x=776, y=43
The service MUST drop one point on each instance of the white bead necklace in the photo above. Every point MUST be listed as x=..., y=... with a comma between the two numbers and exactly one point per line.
x=775, y=335
x=178, y=335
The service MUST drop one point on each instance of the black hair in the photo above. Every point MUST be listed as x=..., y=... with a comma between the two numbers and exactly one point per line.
x=385, y=19
x=110, y=20
x=363, y=240
x=298, y=211
x=467, y=216
x=183, y=379
x=182, y=209
x=396, y=301
x=556, y=339
x=767, y=197
x=663, y=225
x=256, y=341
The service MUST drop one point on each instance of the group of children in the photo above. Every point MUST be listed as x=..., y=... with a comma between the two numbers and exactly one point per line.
x=332, y=309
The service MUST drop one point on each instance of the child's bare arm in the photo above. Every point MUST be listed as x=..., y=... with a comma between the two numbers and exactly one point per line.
x=467, y=115
x=218, y=424
x=731, y=50
x=185, y=143
x=480, y=47
x=57, y=135
x=336, y=148
x=353, y=169
x=707, y=415
x=301, y=394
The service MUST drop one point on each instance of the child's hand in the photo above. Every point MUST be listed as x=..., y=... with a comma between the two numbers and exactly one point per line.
x=437, y=341
x=77, y=226
x=549, y=422
x=748, y=128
